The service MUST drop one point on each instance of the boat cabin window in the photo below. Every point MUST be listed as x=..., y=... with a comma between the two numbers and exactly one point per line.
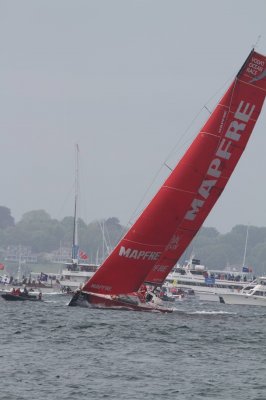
x=259, y=293
x=197, y=272
x=180, y=271
x=248, y=287
x=85, y=268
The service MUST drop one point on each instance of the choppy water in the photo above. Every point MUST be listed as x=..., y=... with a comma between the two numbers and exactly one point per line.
x=49, y=351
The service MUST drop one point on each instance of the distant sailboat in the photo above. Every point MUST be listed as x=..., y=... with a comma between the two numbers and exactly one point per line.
x=158, y=238
x=78, y=271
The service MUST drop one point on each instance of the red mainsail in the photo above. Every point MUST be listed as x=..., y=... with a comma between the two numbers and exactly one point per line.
x=156, y=241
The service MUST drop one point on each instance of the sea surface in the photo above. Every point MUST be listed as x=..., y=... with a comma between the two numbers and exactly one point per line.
x=50, y=351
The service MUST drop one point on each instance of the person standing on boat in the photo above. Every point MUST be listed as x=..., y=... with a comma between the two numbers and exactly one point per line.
x=25, y=291
x=143, y=292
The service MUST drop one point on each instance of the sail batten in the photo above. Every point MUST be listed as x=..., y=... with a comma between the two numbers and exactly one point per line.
x=163, y=231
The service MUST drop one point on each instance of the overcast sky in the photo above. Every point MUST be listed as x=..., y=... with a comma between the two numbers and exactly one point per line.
x=124, y=79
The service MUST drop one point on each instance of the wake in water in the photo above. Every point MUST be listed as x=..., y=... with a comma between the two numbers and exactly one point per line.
x=212, y=312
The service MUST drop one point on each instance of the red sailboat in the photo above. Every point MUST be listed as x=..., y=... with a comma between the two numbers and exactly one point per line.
x=158, y=238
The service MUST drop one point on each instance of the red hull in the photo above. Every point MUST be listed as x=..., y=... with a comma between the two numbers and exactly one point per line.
x=104, y=301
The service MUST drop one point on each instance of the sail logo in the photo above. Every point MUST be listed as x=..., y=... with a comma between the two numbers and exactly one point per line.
x=233, y=134
x=160, y=268
x=256, y=69
x=173, y=244
x=101, y=287
x=139, y=254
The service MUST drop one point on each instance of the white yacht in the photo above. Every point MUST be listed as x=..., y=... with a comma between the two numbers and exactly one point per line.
x=250, y=296
x=208, y=285
x=73, y=276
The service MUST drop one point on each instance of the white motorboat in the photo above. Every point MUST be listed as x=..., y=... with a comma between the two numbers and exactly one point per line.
x=208, y=285
x=255, y=296
x=216, y=293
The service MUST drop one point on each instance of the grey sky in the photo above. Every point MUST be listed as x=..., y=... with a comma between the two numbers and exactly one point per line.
x=123, y=79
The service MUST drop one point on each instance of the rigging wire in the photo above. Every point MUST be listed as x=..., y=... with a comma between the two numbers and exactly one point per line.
x=173, y=152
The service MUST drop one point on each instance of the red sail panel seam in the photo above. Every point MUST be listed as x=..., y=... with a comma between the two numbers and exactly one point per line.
x=254, y=86
x=177, y=189
x=143, y=243
x=210, y=134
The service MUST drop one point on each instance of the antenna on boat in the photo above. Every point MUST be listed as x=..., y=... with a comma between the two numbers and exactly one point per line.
x=19, y=265
x=257, y=42
x=245, y=251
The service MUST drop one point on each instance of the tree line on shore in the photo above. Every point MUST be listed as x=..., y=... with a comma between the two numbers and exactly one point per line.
x=42, y=234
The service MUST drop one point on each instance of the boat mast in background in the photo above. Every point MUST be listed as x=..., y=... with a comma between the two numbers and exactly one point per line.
x=75, y=246
x=245, y=250
x=79, y=270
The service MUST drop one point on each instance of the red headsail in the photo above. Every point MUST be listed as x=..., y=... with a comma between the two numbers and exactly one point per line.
x=161, y=234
